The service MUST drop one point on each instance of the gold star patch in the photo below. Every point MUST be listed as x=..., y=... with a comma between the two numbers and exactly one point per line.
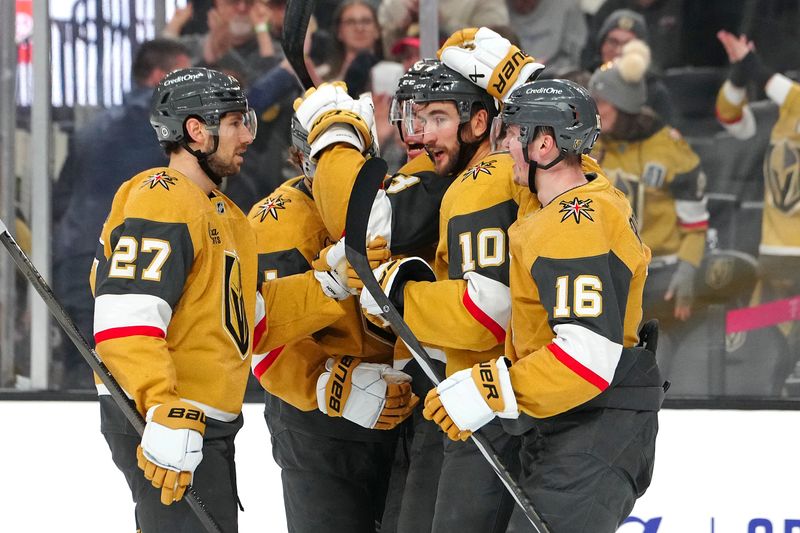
x=576, y=208
x=271, y=206
x=484, y=167
x=159, y=178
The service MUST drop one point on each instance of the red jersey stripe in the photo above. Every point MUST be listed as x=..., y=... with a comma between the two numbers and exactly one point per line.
x=575, y=365
x=265, y=363
x=484, y=319
x=128, y=331
x=694, y=225
x=259, y=330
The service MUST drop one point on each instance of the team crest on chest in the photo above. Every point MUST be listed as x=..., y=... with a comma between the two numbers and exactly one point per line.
x=159, y=178
x=576, y=209
x=484, y=167
x=271, y=206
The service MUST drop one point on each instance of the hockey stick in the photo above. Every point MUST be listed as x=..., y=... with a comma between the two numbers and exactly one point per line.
x=295, y=25
x=26, y=266
x=365, y=188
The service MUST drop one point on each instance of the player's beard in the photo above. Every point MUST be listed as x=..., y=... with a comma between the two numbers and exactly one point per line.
x=222, y=167
x=445, y=163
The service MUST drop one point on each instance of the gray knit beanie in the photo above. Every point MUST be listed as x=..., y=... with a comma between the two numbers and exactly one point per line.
x=624, y=19
x=621, y=81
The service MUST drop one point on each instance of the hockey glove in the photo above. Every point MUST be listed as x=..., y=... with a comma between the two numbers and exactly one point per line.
x=489, y=61
x=681, y=288
x=374, y=396
x=331, y=116
x=471, y=398
x=172, y=447
x=392, y=277
x=377, y=254
x=330, y=269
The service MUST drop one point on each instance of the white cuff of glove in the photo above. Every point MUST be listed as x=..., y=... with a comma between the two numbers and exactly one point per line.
x=337, y=133
x=364, y=404
x=333, y=282
x=464, y=403
x=180, y=450
x=400, y=267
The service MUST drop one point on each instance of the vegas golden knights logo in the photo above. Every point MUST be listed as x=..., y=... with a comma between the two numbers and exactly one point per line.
x=719, y=273
x=234, y=312
x=782, y=175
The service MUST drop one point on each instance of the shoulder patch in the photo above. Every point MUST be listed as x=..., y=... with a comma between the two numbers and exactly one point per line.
x=576, y=209
x=483, y=167
x=159, y=178
x=654, y=175
x=271, y=206
x=675, y=135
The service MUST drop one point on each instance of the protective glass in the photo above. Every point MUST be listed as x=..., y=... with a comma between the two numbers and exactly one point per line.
x=424, y=120
x=251, y=121
x=500, y=130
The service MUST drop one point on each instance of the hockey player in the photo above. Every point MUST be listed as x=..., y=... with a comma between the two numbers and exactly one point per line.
x=177, y=315
x=311, y=419
x=779, y=249
x=462, y=311
x=582, y=397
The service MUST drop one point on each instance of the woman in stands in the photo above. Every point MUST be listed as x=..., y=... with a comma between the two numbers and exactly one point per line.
x=661, y=175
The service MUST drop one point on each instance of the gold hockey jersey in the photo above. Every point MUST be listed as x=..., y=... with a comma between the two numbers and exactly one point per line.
x=780, y=228
x=578, y=270
x=466, y=310
x=290, y=234
x=177, y=313
x=665, y=184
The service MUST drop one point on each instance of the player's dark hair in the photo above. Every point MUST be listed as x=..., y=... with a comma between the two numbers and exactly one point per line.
x=156, y=54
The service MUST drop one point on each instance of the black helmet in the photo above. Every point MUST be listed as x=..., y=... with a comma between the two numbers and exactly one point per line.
x=562, y=105
x=437, y=82
x=194, y=92
x=405, y=86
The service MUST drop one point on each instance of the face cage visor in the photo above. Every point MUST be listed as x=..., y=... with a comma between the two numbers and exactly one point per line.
x=249, y=119
x=498, y=135
x=418, y=121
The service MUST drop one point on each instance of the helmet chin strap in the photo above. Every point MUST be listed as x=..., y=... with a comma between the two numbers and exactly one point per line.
x=202, y=160
x=534, y=165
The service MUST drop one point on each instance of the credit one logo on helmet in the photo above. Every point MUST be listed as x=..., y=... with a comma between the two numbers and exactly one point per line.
x=543, y=90
x=184, y=77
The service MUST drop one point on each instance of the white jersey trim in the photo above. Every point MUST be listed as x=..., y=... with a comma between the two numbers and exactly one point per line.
x=691, y=211
x=771, y=249
x=491, y=297
x=127, y=310
x=593, y=351
x=778, y=87
x=380, y=218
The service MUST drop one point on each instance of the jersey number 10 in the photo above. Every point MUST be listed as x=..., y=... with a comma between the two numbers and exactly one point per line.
x=491, y=249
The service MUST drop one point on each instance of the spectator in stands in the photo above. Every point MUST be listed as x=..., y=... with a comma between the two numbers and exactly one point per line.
x=244, y=40
x=618, y=29
x=356, y=46
x=663, y=19
x=395, y=16
x=243, y=37
x=779, y=250
x=406, y=49
x=385, y=77
x=93, y=171
x=553, y=31
x=662, y=177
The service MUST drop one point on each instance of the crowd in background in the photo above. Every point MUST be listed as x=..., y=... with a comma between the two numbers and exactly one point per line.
x=661, y=141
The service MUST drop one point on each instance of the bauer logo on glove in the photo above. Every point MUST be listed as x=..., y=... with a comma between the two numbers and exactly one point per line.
x=489, y=61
